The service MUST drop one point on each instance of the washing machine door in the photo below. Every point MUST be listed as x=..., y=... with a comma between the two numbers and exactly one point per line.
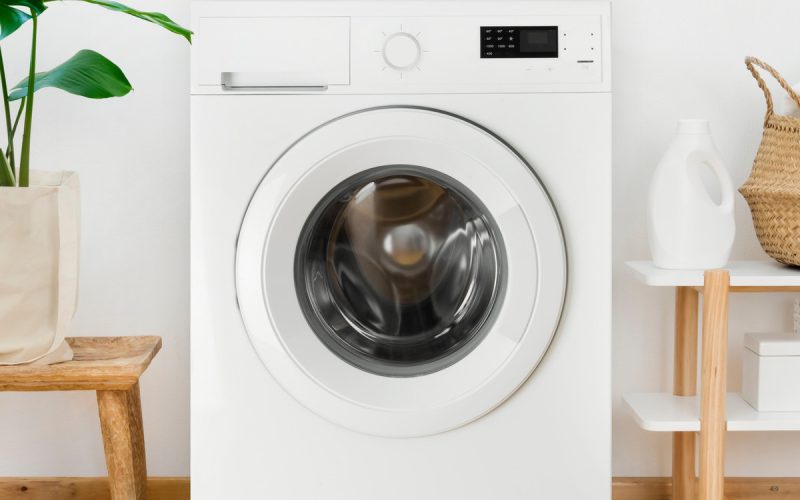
x=400, y=271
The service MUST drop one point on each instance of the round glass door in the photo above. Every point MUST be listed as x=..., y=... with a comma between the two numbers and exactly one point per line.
x=397, y=270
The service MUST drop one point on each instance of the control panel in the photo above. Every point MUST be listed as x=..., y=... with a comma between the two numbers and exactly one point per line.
x=477, y=53
x=519, y=41
x=555, y=47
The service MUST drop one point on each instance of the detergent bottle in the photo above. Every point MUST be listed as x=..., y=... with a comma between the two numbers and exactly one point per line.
x=687, y=227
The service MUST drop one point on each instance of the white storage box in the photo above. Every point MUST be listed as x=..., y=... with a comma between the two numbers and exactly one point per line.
x=797, y=316
x=771, y=371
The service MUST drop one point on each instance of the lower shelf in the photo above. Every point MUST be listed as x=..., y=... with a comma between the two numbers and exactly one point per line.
x=663, y=412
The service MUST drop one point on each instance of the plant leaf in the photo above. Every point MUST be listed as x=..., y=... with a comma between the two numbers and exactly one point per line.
x=153, y=17
x=37, y=6
x=11, y=19
x=86, y=74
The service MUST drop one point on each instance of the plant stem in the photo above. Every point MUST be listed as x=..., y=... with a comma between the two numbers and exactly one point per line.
x=7, y=109
x=19, y=115
x=6, y=177
x=25, y=157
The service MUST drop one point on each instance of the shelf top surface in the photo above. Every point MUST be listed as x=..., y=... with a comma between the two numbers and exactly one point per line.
x=761, y=273
x=663, y=412
x=98, y=363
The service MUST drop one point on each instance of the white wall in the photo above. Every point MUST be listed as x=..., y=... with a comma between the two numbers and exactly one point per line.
x=132, y=154
x=673, y=59
x=677, y=59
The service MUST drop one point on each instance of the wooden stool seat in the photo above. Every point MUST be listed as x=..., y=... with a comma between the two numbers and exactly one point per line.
x=112, y=367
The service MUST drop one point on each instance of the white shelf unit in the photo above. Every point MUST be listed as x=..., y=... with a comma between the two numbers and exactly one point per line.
x=704, y=419
x=745, y=273
x=663, y=412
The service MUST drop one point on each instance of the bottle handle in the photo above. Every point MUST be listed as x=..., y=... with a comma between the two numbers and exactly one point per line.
x=701, y=156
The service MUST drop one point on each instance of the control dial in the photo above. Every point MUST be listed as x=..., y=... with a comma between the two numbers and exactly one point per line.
x=401, y=51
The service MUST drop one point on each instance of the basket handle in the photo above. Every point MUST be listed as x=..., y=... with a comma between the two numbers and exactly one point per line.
x=751, y=62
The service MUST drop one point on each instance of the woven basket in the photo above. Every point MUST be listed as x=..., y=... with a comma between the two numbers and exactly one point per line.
x=773, y=189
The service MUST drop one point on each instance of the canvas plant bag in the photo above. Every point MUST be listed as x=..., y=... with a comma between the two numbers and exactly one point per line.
x=39, y=245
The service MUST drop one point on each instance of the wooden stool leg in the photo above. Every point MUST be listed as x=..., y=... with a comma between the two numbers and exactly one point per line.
x=685, y=384
x=123, y=440
x=712, y=395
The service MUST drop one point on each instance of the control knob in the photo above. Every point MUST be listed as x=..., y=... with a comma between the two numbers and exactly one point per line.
x=401, y=51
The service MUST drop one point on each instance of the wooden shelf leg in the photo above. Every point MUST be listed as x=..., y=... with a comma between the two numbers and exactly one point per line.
x=712, y=395
x=123, y=440
x=685, y=384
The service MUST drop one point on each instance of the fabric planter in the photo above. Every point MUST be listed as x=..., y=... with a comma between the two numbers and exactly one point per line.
x=39, y=254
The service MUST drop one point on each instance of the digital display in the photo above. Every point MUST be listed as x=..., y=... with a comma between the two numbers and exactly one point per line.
x=519, y=41
x=541, y=40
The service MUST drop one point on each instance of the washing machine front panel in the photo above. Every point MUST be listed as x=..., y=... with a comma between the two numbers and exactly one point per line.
x=418, y=204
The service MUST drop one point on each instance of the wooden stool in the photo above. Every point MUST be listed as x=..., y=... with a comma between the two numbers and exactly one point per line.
x=112, y=367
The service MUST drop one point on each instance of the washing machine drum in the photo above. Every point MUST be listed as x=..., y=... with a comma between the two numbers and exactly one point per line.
x=400, y=271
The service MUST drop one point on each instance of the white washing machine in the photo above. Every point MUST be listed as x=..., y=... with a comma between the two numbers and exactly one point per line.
x=401, y=221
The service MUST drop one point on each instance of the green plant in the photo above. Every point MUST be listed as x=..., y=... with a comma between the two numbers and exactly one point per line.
x=87, y=74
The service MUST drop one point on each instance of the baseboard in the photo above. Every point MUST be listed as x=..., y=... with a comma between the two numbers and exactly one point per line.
x=736, y=488
x=177, y=488
x=85, y=488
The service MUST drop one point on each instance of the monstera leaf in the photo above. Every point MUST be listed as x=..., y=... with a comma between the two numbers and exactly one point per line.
x=153, y=17
x=12, y=18
x=86, y=74
x=37, y=6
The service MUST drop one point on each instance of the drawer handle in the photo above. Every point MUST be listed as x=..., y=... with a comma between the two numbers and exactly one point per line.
x=271, y=81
